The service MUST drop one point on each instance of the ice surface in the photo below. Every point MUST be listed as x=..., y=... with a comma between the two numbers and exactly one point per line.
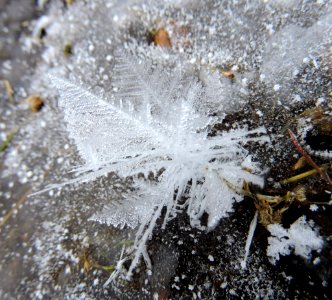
x=278, y=52
x=288, y=51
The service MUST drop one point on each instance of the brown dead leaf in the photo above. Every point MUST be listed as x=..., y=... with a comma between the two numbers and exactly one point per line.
x=162, y=39
x=228, y=74
x=36, y=103
x=300, y=163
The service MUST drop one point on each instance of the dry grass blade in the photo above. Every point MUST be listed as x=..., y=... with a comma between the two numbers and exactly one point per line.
x=301, y=176
x=15, y=208
x=9, y=90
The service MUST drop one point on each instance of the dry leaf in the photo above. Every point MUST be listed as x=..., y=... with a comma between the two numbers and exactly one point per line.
x=300, y=163
x=162, y=39
x=300, y=193
x=36, y=103
x=228, y=74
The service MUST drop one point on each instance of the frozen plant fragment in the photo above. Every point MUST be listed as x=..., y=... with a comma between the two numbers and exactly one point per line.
x=250, y=236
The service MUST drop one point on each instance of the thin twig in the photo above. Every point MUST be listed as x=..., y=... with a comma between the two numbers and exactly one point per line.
x=299, y=148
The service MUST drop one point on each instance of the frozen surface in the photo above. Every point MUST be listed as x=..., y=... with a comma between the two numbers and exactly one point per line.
x=52, y=247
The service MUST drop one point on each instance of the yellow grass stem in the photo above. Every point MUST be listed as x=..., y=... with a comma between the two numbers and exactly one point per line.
x=15, y=208
x=301, y=176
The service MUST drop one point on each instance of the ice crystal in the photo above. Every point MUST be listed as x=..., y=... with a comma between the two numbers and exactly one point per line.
x=300, y=237
x=161, y=123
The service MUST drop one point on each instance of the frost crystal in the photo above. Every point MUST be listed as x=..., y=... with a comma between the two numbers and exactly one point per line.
x=300, y=236
x=157, y=123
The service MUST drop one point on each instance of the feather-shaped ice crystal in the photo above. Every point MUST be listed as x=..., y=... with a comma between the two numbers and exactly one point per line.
x=157, y=122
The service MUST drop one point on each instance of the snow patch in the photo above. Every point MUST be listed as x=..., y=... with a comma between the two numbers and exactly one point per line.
x=300, y=237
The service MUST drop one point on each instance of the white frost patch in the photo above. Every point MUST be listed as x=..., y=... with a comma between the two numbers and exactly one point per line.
x=297, y=98
x=288, y=49
x=314, y=207
x=276, y=87
x=300, y=237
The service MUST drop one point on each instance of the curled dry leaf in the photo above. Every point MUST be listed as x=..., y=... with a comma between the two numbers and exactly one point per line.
x=300, y=163
x=36, y=103
x=162, y=39
x=228, y=74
